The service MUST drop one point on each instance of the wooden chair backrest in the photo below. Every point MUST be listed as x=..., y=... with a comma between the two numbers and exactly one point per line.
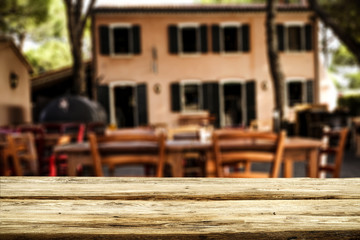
x=21, y=148
x=337, y=151
x=136, y=156
x=256, y=147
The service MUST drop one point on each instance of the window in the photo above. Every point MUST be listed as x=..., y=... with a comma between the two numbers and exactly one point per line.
x=237, y=103
x=294, y=37
x=187, y=38
x=299, y=91
x=119, y=39
x=190, y=95
x=294, y=34
x=295, y=92
x=230, y=37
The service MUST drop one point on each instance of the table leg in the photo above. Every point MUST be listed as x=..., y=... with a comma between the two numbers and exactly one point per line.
x=175, y=159
x=313, y=163
x=210, y=165
x=74, y=160
x=288, y=167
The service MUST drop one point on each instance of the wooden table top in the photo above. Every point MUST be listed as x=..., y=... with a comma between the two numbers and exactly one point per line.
x=178, y=208
x=177, y=145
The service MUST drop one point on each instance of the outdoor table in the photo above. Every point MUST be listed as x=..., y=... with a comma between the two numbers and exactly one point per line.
x=296, y=148
x=178, y=208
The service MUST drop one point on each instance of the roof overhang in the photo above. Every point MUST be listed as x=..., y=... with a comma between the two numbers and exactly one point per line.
x=10, y=43
x=54, y=76
x=195, y=8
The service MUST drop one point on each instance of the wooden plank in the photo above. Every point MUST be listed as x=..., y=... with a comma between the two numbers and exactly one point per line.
x=178, y=208
x=177, y=188
x=244, y=219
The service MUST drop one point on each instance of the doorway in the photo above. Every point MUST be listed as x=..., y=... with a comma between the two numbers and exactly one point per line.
x=125, y=103
x=232, y=105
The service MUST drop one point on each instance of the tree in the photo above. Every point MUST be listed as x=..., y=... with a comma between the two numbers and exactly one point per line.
x=276, y=73
x=344, y=65
x=343, y=17
x=21, y=17
x=51, y=54
x=76, y=22
x=49, y=47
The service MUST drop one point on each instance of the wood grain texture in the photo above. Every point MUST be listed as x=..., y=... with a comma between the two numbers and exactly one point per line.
x=178, y=208
x=178, y=188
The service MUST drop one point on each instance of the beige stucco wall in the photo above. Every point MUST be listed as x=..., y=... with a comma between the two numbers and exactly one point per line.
x=204, y=67
x=14, y=103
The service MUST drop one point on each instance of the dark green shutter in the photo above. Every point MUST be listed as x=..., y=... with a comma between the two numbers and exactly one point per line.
x=104, y=40
x=308, y=37
x=203, y=38
x=280, y=37
x=250, y=102
x=142, y=104
x=136, y=39
x=175, y=97
x=245, y=38
x=211, y=100
x=173, y=39
x=103, y=99
x=310, y=91
x=215, y=33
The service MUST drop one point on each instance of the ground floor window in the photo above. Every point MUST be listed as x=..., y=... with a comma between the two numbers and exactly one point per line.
x=191, y=95
x=299, y=91
x=125, y=103
x=231, y=103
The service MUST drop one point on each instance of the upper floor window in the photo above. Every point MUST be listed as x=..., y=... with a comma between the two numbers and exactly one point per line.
x=230, y=37
x=119, y=39
x=187, y=38
x=295, y=37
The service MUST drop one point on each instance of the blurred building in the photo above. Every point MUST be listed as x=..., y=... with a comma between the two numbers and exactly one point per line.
x=15, y=104
x=154, y=64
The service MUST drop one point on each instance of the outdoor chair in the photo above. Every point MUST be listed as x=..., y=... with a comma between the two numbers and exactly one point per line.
x=193, y=161
x=57, y=134
x=335, y=141
x=239, y=149
x=137, y=149
x=38, y=132
x=21, y=152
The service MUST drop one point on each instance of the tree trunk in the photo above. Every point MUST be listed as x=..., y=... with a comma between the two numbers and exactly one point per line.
x=79, y=78
x=76, y=22
x=277, y=75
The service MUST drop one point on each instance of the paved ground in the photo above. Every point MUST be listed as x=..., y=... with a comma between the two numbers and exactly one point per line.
x=350, y=168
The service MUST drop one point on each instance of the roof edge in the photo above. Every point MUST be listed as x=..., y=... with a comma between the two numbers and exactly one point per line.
x=17, y=52
x=198, y=8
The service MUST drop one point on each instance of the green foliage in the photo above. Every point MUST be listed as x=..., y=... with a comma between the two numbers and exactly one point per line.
x=52, y=54
x=343, y=60
x=342, y=57
x=351, y=103
x=22, y=16
x=354, y=80
x=54, y=27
